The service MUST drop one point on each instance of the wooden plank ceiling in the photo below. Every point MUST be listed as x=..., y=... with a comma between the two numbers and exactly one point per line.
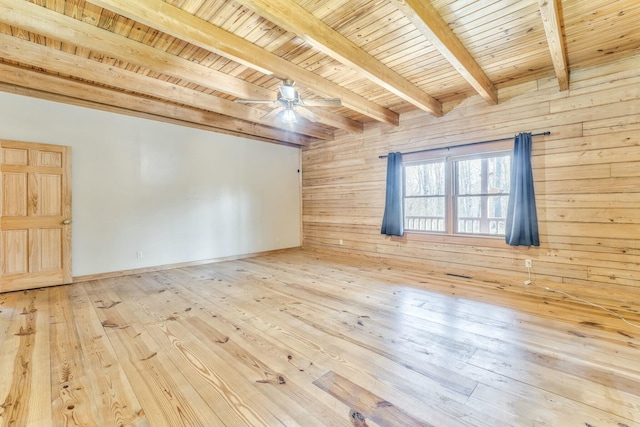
x=186, y=61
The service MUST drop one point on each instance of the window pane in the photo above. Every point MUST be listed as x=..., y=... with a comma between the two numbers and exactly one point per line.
x=426, y=179
x=497, y=214
x=469, y=177
x=469, y=207
x=469, y=210
x=424, y=214
x=498, y=206
x=499, y=174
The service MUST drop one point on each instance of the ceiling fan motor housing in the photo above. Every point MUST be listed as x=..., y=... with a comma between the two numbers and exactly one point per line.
x=288, y=93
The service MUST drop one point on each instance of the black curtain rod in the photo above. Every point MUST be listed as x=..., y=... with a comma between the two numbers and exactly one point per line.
x=463, y=145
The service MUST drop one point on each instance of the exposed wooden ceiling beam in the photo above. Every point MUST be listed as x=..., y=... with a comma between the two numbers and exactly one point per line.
x=551, y=13
x=294, y=18
x=185, y=26
x=21, y=81
x=45, y=22
x=429, y=22
x=57, y=61
x=337, y=120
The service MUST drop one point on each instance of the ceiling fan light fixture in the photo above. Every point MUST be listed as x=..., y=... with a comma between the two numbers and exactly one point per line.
x=288, y=104
x=289, y=116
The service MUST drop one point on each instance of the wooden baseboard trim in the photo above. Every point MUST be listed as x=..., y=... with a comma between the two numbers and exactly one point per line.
x=111, y=274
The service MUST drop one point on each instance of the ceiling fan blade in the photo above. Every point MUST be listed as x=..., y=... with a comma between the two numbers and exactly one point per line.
x=323, y=102
x=272, y=114
x=307, y=114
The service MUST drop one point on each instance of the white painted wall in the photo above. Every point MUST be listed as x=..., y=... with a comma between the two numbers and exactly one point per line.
x=174, y=193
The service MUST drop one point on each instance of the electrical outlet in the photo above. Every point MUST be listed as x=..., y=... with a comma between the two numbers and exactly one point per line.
x=139, y=255
x=341, y=242
x=527, y=263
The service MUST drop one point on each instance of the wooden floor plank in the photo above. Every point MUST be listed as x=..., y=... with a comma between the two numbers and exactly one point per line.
x=163, y=311
x=221, y=379
x=70, y=388
x=300, y=338
x=321, y=355
x=546, y=370
x=257, y=364
x=8, y=304
x=327, y=354
x=25, y=363
x=254, y=374
x=112, y=395
x=533, y=407
x=365, y=402
x=161, y=388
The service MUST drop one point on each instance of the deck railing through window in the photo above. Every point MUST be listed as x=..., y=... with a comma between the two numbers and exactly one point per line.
x=495, y=226
x=424, y=223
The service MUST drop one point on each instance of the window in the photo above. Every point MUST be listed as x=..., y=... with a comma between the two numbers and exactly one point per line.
x=425, y=196
x=482, y=194
x=460, y=194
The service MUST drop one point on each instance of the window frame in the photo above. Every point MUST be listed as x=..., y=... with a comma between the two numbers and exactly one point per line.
x=446, y=185
x=485, y=195
x=451, y=155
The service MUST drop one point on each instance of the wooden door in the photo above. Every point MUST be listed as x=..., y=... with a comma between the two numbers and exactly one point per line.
x=35, y=215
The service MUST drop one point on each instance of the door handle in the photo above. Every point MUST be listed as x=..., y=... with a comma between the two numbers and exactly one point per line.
x=66, y=222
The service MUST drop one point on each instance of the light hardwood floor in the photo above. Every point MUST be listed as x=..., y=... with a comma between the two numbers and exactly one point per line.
x=301, y=339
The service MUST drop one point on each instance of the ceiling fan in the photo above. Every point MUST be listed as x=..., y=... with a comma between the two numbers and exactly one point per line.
x=289, y=103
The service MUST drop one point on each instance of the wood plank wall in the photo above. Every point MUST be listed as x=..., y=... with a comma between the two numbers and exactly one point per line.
x=587, y=175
